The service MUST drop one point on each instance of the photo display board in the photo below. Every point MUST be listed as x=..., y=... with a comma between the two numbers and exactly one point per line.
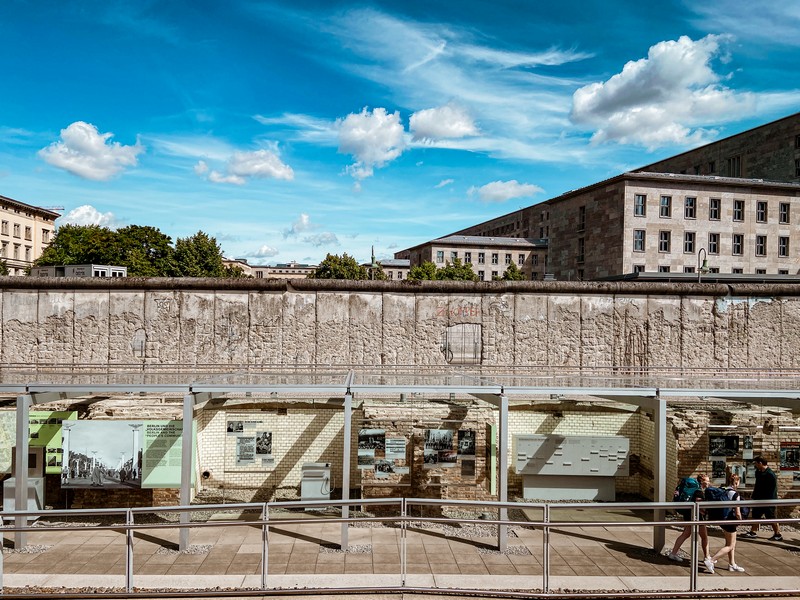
x=45, y=432
x=248, y=442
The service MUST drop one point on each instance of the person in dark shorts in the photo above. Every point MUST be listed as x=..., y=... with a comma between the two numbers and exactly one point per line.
x=702, y=530
x=730, y=533
x=765, y=488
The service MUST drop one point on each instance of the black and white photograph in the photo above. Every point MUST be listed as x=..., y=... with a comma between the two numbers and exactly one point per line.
x=738, y=469
x=263, y=443
x=796, y=478
x=718, y=472
x=235, y=427
x=101, y=454
x=430, y=459
x=448, y=458
x=466, y=442
x=468, y=468
x=438, y=439
x=371, y=439
x=366, y=459
x=723, y=445
x=383, y=468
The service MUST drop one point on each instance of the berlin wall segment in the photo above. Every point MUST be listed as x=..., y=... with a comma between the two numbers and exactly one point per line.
x=307, y=322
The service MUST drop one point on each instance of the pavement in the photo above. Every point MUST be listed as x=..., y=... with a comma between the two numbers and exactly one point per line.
x=305, y=555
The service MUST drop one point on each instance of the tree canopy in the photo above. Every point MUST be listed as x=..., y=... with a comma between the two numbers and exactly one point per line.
x=455, y=271
x=425, y=271
x=144, y=250
x=512, y=273
x=3, y=268
x=339, y=267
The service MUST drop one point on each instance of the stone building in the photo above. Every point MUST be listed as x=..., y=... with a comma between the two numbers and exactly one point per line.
x=25, y=231
x=489, y=256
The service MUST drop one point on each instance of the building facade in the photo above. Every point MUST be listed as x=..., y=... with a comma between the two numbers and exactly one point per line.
x=290, y=270
x=25, y=231
x=489, y=256
x=396, y=269
x=80, y=271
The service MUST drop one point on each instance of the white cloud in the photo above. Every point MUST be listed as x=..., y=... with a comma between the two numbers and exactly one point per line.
x=373, y=138
x=502, y=191
x=303, y=223
x=89, y=215
x=444, y=183
x=448, y=121
x=660, y=99
x=85, y=152
x=262, y=164
x=762, y=21
x=322, y=239
x=265, y=252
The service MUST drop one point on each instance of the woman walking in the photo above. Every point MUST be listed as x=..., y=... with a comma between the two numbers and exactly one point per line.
x=730, y=533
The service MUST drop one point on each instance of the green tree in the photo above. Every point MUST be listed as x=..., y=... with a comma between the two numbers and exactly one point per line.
x=423, y=272
x=198, y=256
x=339, y=267
x=3, y=268
x=145, y=251
x=512, y=273
x=80, y=244
x=457, y=271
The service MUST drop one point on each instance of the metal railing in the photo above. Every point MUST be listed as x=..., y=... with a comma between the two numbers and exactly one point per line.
x=541, y=516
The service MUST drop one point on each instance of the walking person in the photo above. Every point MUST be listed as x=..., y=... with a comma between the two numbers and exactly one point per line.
x=702, y=530
x=729, y=530
x=765, y=488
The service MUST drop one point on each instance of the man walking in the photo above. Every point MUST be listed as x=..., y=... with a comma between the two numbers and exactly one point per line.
x=765, y=488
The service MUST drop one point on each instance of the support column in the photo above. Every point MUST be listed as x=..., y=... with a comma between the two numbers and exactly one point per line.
x=187, y=449
x=502, y=463
x=659, y=468
x=347, y=433
x=21, y=467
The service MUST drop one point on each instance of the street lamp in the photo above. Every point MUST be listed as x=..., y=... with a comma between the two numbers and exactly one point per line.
x=702, y=269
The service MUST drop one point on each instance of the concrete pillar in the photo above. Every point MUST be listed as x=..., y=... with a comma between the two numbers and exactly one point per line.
x=502, y=462
x=659, y=467
x=347, y=433
x=186, y=467
x=21, y=467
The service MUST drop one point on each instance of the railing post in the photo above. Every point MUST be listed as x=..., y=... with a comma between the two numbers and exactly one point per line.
x=546, y=549
x=693, y=558
x=187, y=449
x=129, y=551
x=403, y=541
x=21, y=468
x=264, y=545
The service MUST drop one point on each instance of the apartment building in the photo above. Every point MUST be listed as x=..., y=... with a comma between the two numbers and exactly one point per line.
x=666, y=223
x=489, y=256
x=25, y=231
x=396, y=269
x=770, y=152
x=290, y=270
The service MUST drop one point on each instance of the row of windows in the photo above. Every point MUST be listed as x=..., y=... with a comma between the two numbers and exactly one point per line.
x=17, y=229
x=734, y=270
x=495, y=256
x=16, y=251
x=690, y=209
x=713, y=247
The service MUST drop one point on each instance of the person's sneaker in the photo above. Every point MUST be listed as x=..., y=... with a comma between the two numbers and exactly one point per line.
x=674, y=557
x=709, y=565
x=749, y=534
x=777, y=538
x=736, y=569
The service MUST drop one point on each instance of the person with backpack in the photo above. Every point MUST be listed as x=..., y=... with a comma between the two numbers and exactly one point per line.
x=731, y=513
x=765, y=488
x=690, y=489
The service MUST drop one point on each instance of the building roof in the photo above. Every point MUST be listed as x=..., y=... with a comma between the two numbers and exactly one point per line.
x=395, y=263
x=486, y=241
x=22, y=205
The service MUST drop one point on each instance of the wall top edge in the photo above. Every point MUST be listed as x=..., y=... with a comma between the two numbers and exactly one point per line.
x=632, y=288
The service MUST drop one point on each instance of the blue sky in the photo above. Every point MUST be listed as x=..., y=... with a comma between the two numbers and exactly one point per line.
x=291, y=129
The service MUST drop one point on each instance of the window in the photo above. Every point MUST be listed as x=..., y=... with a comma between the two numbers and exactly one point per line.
x=581, y=249
x=16, y=230
x=690, y=208
x=495, y=258
x=638, y=240
x=713, y=269
x=28, y=233
x=713, y=243
x=390, y=274
x=4, y=250
x=259, y=274
x=688, y=269
x=28, y=253
x=761, y=271
x=714, y=205
x=697, y=169
x=761, y=245
x=45, y=236
x=399, y=274
x=663, y=269
x=735, y=166
x=495, y=275
x=508, y=259
x=520, y=259
x=535, y=260
x=783, y=213
x=4, y=228
x=761, y=212
x=440, y=256
x=712, y=166
x=738, y=210
x=783, y=246
x=16, y=251
x=664, y=239
x=638, y=268
x=665, y=209
x=453, y=256
x=783, y=271
x=480, y=275
x=688, y=242
x=581, y=218
x=481, y=258
x=468, y=258
x=735, y=270
x=797, y=167
x=639, y=205
x=797, y=142
x=737, y=245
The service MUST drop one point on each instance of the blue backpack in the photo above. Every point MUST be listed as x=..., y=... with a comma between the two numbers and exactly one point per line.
x=685, y=490
x=717, y=494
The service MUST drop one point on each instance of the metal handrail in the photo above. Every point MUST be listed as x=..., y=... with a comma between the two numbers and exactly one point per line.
x=267, y=519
